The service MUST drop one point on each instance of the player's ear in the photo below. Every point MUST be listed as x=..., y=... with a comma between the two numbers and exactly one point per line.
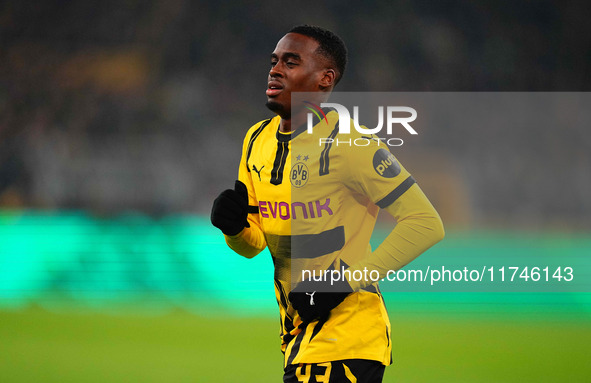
x=328, y=78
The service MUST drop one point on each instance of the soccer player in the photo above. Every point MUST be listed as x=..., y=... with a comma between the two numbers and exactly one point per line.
x=314, y=206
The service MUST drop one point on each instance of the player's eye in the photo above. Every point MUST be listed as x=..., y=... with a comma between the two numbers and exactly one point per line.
x=273, y=63
x=291, y=64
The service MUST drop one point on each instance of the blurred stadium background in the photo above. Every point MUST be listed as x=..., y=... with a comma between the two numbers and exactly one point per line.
x=120, y=121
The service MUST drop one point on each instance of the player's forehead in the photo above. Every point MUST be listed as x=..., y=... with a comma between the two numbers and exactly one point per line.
x=295, y=43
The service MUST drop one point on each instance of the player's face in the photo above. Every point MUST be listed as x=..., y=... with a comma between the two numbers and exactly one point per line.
x=295, y=67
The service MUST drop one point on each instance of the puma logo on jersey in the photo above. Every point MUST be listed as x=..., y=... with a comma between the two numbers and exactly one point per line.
x=258, y=171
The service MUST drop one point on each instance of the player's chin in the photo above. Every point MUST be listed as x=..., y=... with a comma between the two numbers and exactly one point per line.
x=275, y=106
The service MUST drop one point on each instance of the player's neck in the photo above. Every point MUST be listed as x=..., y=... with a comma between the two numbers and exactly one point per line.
x=285, y=126
x=290, y=124
x=297, y=117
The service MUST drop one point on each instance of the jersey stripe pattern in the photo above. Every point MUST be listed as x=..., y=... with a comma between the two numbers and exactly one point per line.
x=316, y=199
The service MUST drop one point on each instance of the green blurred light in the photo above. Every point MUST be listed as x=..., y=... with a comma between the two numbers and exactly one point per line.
x=49, y=258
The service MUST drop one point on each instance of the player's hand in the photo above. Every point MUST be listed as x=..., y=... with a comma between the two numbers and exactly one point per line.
x=315, y=300
x=230, y=210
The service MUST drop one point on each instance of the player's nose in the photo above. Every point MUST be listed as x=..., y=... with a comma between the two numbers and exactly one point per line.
x=275, y=71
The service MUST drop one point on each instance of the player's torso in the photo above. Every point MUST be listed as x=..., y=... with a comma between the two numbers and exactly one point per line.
x=306, y=212
x=312, y=221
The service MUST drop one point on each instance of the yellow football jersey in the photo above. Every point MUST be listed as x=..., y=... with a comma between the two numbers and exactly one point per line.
x=316, y=197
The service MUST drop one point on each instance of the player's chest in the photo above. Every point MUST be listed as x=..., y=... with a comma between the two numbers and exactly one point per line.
x=292, y=171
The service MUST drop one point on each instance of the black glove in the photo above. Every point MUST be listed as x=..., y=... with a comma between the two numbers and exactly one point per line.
x=314, y=300
x=230, y=210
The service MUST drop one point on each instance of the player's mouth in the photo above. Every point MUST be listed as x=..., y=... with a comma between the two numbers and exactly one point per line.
x=274, y=88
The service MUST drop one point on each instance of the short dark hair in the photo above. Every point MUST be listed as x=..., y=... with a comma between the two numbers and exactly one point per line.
x=330, y=46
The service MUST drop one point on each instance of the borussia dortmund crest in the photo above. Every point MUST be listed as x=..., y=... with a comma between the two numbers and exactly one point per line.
x=299, y=175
